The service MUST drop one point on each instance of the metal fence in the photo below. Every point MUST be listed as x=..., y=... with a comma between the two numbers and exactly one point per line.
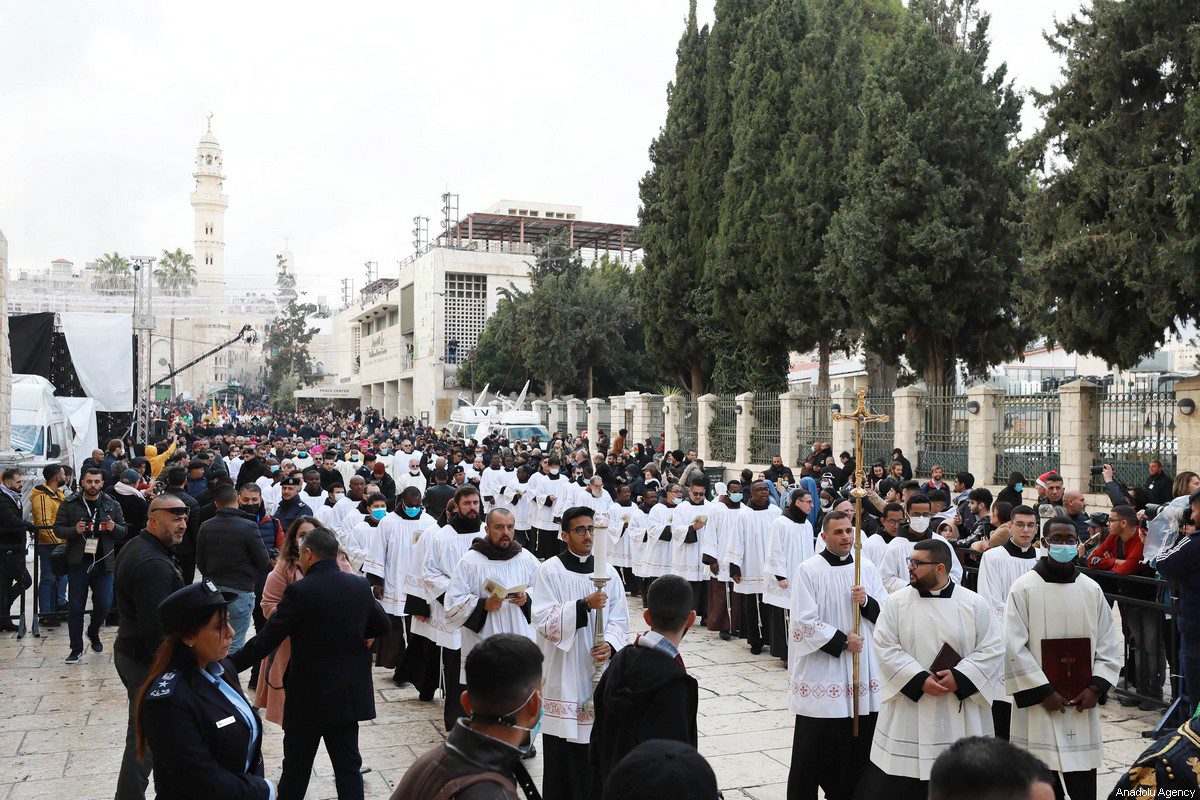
x=1137, y=426
x=814, y=422
x=602, y=422
x=878, y=438
x=657, y=425
x=687, y=430
x=943, y=438
x=764, y=436
x=1028, y=442
x=722, y=432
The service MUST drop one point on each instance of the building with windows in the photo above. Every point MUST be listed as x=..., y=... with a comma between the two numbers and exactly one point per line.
x=402, y=343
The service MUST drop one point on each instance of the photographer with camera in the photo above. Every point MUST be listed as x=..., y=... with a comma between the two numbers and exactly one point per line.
x=1159, y=488
x=91, y=523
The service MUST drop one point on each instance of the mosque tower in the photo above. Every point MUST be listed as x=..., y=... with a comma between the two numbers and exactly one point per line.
x=209, y=205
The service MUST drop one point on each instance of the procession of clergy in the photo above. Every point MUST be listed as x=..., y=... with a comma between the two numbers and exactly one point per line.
x=1027, y=658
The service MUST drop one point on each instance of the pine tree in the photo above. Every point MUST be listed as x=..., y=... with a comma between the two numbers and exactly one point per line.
x=673, y=254
x=288, y=363
x=927, y=241
x=1115, y=230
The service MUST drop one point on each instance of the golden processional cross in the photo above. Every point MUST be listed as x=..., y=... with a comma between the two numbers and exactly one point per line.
x=860, y=417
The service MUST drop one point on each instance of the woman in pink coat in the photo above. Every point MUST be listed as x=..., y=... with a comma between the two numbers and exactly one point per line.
x=269, y=695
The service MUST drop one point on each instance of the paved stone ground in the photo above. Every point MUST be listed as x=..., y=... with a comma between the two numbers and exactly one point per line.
x=62, y=728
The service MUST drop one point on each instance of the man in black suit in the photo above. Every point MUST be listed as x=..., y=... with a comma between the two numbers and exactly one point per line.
x=329, y=615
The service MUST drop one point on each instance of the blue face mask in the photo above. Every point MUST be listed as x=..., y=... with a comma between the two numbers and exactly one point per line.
x=1064, y=553
x=274, y=468
x=736, y=497
x=378, y=513
x=412, y=513
x=304, y=454
x=1018, y=486
x=537, y=727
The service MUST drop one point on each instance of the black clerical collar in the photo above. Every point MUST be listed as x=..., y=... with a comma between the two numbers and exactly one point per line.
x=752, y=508
x=1017, y=552
x=464, y=525
x=573, y=563
x=625, y=504
x=1051, y=575
x=695, y=504
x=834, y=561
x=553, y=477
x=945, y=591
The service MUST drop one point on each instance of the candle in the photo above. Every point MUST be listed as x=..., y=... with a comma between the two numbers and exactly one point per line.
x=600, y=551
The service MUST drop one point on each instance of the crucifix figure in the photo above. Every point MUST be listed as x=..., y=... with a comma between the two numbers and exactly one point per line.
x=860, y=417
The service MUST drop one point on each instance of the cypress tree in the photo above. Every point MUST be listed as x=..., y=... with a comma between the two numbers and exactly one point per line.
x=927, y=242
x=1114, y=231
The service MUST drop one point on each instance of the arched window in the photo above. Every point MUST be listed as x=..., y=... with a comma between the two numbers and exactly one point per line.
x=209, y=159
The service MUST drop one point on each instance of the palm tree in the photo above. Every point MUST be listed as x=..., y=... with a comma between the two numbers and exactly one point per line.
x=112, y=273
x=176, y=273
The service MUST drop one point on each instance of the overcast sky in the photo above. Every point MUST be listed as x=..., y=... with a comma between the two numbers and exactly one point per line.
x=341, y=122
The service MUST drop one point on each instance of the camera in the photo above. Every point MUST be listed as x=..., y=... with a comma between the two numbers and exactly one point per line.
x=1100, y=469
x=1152, y=510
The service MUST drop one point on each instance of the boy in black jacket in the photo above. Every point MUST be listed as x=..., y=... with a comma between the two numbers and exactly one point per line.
x=646, y=693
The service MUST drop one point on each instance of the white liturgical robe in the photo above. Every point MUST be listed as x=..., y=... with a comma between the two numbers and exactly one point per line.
x=414, y=584
x=820, y=670
x=748, y=547
x=686, y=560
x=789, y=544
x=910, y=632
x=998, y=569
x=1039, y=609
x=446, y=547
x=656, y=552
x=715, y=543
x=894, y=566
x=566, y=645
x=391, y=553
x=625, y=526
x=465, y=598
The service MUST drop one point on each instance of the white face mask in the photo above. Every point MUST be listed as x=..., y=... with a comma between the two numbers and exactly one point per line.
x=554, y=470
x=919, y=524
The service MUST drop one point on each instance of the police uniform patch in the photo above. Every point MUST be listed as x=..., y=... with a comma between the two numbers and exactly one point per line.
x=164, y=686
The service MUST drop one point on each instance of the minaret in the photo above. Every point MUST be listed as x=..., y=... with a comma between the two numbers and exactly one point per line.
x=209, y=205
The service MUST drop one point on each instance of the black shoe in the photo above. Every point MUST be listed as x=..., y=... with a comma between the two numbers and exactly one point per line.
x=754, y=651
x=49, y=622
x=97, y=645
x=531, y=753
x=7, y=627
x=1150, y=705
x=726, y=636
x=75, y=657
x=1130, y=702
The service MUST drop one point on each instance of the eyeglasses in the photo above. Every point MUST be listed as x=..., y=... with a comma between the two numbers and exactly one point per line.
x=912, y=562
x=583, y=529
x=177, y=511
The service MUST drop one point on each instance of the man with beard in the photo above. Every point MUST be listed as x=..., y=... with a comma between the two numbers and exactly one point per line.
x=894, y=566
x=488, y=590
x=688, y=524
x=747, y=555
x=940, y=655
x=348, y=503
x=446, y=547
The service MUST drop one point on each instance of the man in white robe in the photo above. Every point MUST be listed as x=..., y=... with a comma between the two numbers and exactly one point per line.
x=550, y=490
x=924, y=712
x=789, y=544
x=497, y=558
x=565, y=601
x=446, y=547
x=656, y=539
x=1053, y=601
x=348, y=502
x=894, y=566
x=890, y=519
x=625, y=525
x=311, y=494
x=413, y=477
x=747, y=556
x=825, y=752
x=420, y=664
x=388, y=560
x=689, y=521
x=356, y=538
x=491, y=480
x=999, y=568
x=724, y=607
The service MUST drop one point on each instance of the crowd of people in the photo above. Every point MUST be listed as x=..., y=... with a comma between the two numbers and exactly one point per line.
x=501, y=573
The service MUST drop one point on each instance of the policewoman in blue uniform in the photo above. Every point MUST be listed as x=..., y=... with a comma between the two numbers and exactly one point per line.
x=205, y=736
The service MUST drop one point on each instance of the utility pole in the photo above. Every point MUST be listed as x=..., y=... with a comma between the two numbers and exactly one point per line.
x=143, y=324
x=420, y=233
x=372, y=271
x=347, y=291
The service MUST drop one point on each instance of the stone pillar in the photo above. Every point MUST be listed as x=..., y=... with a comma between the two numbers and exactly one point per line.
x=982, y=428
x=744, y=427
x=910, y=418
x=5, y=355
x=391, y=398
x=557, y=415
x=1187, y=426
x=843, y=430
x=789, y=422
x=704, y=418
x=377, y=396
x=542, y=409
x=1079, y=425
x=364, y=396
x=647, y=411
x=593, y=418
x=616, y=415
x=672, y=421
x=576, y=411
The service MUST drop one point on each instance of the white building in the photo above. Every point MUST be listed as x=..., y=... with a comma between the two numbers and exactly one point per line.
x=398, y=349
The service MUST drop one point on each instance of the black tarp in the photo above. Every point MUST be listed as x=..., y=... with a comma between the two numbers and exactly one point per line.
x=31, y=337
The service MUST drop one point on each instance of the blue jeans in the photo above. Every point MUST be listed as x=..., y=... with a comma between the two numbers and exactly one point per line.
x=52, y=590
x=240, y=611
x=79, y=580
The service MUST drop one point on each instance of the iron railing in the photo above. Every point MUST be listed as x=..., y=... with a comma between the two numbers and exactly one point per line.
x=942, y=440
x=814, y=423
x=1136, y=427
x=688, y=427
x=879, y=438
x=657, y=426
x=722, y=432
x=764, y=436
x=1028, y=441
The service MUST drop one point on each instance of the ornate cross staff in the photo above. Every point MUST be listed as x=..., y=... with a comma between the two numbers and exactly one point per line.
x=860, y=417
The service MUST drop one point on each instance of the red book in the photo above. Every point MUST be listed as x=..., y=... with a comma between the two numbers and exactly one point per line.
x=947, y=658
x=1068, y=665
